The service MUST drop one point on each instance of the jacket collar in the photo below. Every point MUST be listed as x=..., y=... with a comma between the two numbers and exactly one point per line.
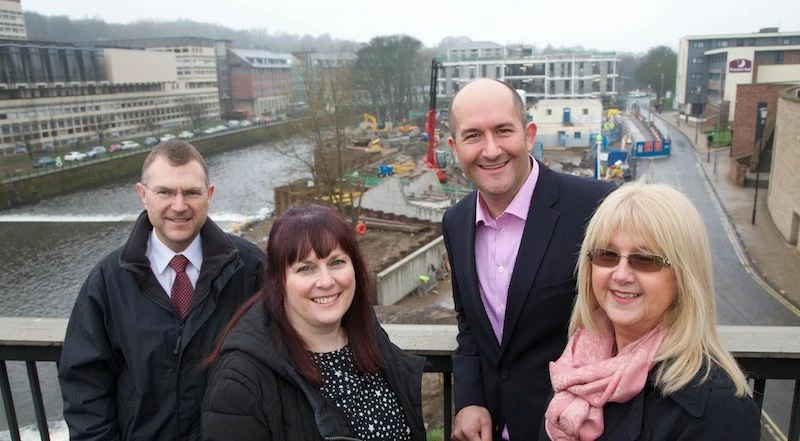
x=692, y=398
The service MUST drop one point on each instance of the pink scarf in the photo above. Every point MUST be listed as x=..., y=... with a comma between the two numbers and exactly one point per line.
x=587, y=376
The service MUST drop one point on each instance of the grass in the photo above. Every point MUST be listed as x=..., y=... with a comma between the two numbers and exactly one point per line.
x=435, y=435
x=719, y=139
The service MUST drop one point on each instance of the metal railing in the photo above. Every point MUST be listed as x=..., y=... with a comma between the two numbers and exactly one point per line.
x=764, y=352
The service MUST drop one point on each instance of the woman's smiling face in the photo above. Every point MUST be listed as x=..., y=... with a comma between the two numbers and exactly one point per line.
x=635, y=301
x=319, y=291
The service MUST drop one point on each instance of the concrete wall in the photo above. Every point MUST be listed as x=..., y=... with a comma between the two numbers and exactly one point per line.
x=136, y=66
x=390, y=197
x=400, y=279
x=783, y=197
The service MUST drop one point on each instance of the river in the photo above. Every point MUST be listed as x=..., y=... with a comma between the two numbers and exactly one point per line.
x=49, y=248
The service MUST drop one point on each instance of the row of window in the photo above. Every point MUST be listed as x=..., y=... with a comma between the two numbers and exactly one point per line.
x=743, y=42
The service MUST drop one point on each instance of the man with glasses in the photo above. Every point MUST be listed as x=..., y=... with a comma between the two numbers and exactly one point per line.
x=150, y=311
x=513, y=245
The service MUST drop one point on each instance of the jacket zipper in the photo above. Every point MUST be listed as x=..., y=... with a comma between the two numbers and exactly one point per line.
x=180, y=336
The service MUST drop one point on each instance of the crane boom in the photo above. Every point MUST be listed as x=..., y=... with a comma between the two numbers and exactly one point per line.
x=431, y=123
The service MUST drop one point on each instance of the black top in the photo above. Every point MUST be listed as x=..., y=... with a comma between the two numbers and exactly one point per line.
x=370, y=406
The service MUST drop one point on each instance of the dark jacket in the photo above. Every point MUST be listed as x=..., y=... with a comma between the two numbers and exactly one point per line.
x=256, y=394
x=707, y=411
x=130, y=369
x=511, y=379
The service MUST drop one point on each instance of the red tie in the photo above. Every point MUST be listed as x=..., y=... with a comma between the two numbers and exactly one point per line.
x=182, y=290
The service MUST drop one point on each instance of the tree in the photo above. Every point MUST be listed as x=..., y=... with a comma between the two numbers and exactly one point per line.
x=657, y=70
x=194, y=111
x=386, y=69
x=330, y=95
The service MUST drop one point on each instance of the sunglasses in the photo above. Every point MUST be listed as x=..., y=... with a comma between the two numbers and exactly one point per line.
x=638, y=261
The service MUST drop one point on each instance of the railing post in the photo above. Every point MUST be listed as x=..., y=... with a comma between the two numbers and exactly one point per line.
x=8, y=403
x=794, y=415
x=38, y=402
x=447, y=415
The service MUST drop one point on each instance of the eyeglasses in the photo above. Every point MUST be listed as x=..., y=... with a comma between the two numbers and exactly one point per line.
x=638, y=261
x=168, y=194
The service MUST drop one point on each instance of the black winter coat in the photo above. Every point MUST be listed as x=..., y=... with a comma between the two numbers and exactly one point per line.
x=707, y=411
x=255, y=394
x=130, y=369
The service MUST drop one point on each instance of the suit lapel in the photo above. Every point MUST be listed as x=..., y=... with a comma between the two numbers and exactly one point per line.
x=536, y=237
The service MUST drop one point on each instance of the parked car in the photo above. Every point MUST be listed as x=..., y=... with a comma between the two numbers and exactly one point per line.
x=186, y=135
x=48, y=146
x=44, y=161
x=245, y=123
x=150, y=141
x=126, y=145
x=166, y=137
x=20, y=149
x=96, y=151
x=114, y=148
x=74, y=156
x=233, y=123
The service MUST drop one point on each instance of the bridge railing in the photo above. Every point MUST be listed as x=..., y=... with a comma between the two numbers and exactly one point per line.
x=764, y=352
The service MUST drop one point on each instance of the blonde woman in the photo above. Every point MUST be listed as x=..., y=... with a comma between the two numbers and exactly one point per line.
x=644, y=361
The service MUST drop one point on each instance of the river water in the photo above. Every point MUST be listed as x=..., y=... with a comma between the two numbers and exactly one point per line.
x=48, y=249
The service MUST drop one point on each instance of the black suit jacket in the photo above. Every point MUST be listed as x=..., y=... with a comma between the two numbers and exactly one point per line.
x=512, y=379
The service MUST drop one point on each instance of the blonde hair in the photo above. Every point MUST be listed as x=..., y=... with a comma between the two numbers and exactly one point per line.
x=669, y=225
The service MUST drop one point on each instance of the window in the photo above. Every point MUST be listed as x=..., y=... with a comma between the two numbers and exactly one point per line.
x=696, y=76
x=577, y=135
x=549, y=112
x=697, y=60
x=722, y=43
x=698, y=44
x=585, y=111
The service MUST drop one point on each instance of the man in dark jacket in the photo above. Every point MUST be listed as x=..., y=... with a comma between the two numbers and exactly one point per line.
x=143, y=321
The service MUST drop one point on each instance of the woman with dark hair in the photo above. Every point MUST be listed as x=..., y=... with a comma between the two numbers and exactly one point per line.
x=305, y=358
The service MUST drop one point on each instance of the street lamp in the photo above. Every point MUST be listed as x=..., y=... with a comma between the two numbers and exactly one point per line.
x=662, y=86
x=761, y=122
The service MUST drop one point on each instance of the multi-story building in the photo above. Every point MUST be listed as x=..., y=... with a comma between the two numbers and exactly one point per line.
x=710, y=67
x=260, y=81
x=12, y=22
x=54, y=95
x=591, y=75
x=195, y=67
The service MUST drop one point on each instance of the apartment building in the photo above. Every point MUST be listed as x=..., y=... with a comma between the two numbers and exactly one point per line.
x=12, y=22
x=54, y=95
x=710, y=67
x=260, y=81
x=562, y=76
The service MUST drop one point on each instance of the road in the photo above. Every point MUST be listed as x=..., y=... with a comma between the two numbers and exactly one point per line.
x=741, y=299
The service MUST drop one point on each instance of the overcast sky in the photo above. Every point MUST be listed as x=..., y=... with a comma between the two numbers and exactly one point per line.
x=621, y=25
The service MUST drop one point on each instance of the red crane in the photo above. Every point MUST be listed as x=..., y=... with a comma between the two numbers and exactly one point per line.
x=430, y=124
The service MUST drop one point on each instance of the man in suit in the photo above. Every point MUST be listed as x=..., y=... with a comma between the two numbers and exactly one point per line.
x=513, y=246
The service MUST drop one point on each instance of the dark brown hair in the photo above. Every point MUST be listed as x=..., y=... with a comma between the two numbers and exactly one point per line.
x=295, y=233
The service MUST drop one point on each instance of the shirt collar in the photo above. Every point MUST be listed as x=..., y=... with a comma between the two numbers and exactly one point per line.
x=161, y=254
x=519, y=206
